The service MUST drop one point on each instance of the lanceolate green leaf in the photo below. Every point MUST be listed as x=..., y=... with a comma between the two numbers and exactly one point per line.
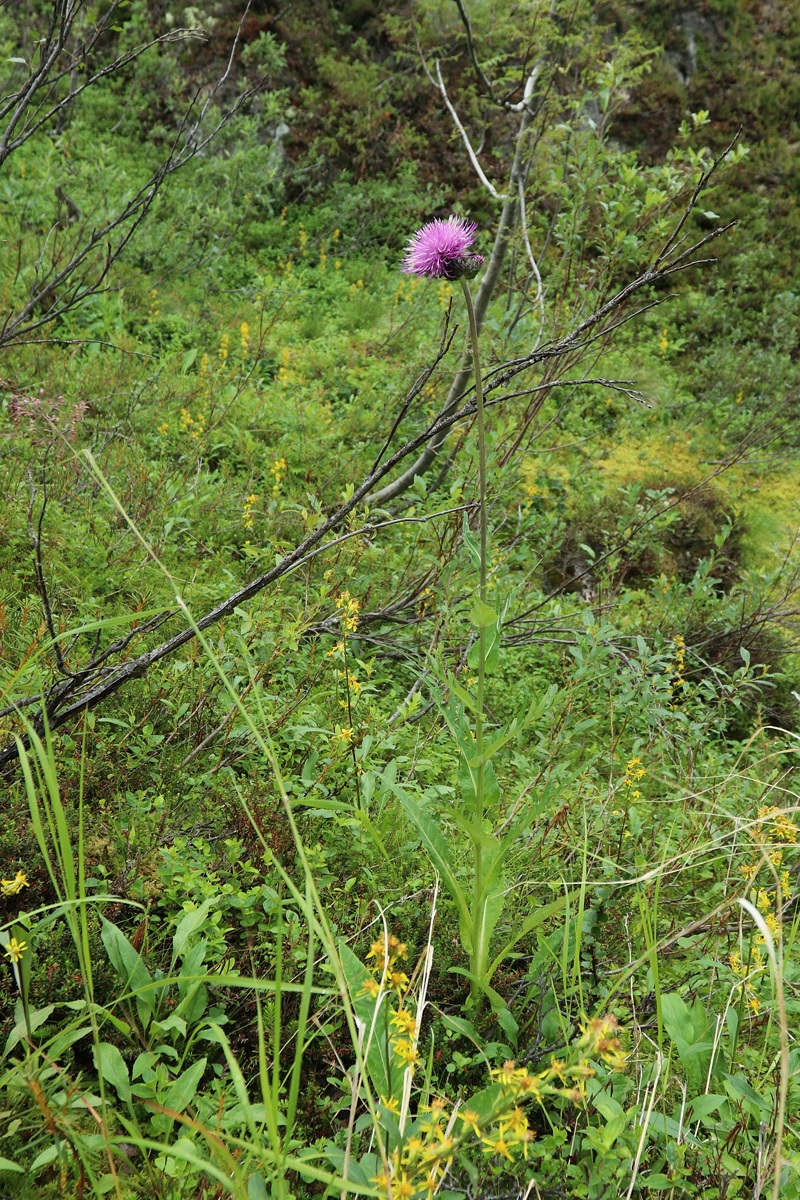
x=437, y=849
x=528, y=925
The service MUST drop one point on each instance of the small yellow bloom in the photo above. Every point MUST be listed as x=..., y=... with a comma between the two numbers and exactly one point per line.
x=413, y=1147
x=15, y=950
x=470, y=1119
x=371, y=988
x=393, y=1104
x=506, y=1075
x=405, y=1051
x=497, y=1145
x=404, y=1020
x=10, y=887
x=398, y=980
x=517, y=1124
x=402, y=1187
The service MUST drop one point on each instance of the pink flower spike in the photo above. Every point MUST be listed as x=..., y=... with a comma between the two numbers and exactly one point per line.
x=441, y=250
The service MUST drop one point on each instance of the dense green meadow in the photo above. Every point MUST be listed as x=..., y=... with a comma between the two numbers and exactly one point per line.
x=361, y=838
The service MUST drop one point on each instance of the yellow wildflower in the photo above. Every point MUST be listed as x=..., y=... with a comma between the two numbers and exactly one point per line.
x=398, y=980
x=506, y=1075
x=371, y=988
x=470, y=1119
x=10, y=887
x=404, y=1020
x=402, y=1187
x=404, y=1049
x=497, y=1145
x=15, y=949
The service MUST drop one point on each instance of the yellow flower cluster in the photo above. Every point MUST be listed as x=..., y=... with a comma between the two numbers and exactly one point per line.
x=353, y=688
x=283, y=369
x=194, y=426
x=244, y=331
x=444, y=292
x=348, y=609
x=11, y=887
x=663, y=343
x=747, y=972
x=416, y=1168
x=387, y=952
x=278, y=470
x=224, y=343
x=676, y=670
x=154, y=310
x=771, y=834
x=634, y=773
x=247, y=512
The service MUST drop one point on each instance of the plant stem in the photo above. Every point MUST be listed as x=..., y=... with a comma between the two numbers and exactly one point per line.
x=350, y=719
x=478, y=898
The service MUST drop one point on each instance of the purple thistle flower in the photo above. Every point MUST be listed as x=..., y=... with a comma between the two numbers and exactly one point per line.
x=440, y=250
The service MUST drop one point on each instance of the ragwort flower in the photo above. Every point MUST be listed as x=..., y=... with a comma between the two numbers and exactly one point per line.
x=441, y=250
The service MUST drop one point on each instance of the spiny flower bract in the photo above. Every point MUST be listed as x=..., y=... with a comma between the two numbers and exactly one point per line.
x=441, y=250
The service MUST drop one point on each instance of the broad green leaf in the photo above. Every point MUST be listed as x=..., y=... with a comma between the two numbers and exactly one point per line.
x=7, y=1165
x=703, y=1106
x=126, y=961
x=738, y=1088
x=437, y=849
x=691, y=1034
x=482, y=615
x=485, y=916
x=36, y=1017
x=111, y=1068
x=492, y=651
x=256, y=1188
x=374, y=1021
x=188, y=924
x=464, y=1028
x=185, y=1086
x=43, y=1159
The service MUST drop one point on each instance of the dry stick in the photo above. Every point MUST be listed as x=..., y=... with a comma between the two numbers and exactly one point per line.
x=16, y=326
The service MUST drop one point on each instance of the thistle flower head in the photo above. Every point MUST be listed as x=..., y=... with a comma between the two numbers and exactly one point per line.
x=440, y=250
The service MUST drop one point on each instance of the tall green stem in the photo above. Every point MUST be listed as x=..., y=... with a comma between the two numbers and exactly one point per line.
x=478, y=898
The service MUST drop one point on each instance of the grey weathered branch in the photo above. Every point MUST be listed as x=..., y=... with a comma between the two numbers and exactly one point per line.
x=94, y=251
